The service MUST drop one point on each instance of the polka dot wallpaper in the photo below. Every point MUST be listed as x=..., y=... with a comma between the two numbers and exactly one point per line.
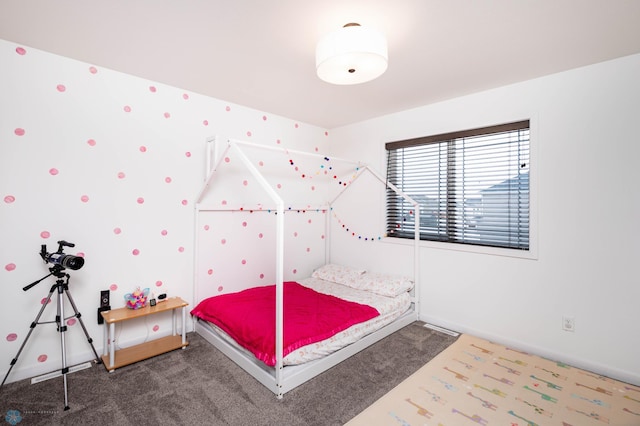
x=113, y=163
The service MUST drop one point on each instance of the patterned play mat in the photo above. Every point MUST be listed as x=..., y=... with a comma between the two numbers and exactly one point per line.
x=476, y=382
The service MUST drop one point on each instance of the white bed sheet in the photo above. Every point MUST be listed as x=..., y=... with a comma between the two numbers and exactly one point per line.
x=389, y=308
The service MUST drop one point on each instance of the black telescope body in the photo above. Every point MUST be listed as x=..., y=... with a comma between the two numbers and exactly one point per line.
x=59, y=258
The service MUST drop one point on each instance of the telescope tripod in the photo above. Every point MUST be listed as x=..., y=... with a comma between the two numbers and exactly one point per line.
x=62, y=288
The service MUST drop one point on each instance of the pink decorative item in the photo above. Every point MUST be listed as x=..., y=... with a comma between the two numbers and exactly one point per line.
x=137, y=299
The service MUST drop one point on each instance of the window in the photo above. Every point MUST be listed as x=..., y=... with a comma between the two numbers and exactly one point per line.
x=472, y=186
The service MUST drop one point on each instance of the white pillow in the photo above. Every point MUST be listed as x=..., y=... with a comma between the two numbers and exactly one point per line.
x=384, y=284
x=344, y=275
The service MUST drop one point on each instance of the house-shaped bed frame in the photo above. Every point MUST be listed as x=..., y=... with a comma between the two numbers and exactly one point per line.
x=281, y=379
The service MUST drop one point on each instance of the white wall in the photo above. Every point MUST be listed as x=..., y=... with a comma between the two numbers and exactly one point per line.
x=586, y=207
x=112, y=163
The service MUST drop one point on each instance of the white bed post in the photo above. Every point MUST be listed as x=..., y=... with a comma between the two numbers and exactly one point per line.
x=416, y=260
x=279, y=262
x=327, y=234
x=212, y=145
x=279, y=297
x=416, y=237
x=196, y=243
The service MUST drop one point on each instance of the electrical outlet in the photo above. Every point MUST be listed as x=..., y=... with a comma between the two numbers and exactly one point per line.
x=568, y=323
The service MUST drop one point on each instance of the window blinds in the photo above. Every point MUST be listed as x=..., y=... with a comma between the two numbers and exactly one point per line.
x=472, y=186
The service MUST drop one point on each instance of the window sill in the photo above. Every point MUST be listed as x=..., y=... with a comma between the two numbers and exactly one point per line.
x=530, y=254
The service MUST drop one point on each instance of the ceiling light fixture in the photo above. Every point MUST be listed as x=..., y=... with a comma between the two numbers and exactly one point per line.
x=351, y=55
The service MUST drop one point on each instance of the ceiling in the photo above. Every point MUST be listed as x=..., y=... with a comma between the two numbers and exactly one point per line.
x=261, y=54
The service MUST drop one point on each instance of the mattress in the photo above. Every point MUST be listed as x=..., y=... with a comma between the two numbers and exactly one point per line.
x=389, y=308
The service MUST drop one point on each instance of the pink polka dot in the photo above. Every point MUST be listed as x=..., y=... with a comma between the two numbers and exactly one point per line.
x=264, y=118
x=187, y=154
x=167, y=179
x=261, y=163
x=9, y=199
x=326, y=133
x=135, y=252
x=224, y=202
x=158, y=283
x=206, y=227
x=210, y=272
x=91, y=142
x=278, y=141
x=220, y=288
x=143, y=148
x=127, y=108
x=140, y=200
x=295, y=234
x=117, y=231
x=113, y=287
x=156, y=327
x=42, y=358
x=249, y=133
x=10, y=267
x=167, y=115
x=71, y=322
x=93, y=70
x=121, y=175
x=309, y=221
x=11, y=337
x=152, y=89
x=163, y=232
x=61, y=88
x=181, y=249
x=308, y=249
x=45, y=234
x=244, y=261
x=228, y=108
x=227, y=159
x=223, y=241
x=53, y=171
x=19, y=131
x=84, y=198
x=185, y=96
x=21, y=51
x=316, y=149
x=322, y=237
x=245, y=182
x=44, y=300
x=279, y=186
x=295, y=271
x=184, y=202
x=296, y=125
x=205, y=122
x=260, y=235
x=261, y=276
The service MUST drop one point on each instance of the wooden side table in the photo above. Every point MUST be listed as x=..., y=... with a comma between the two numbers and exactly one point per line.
x=113, y=359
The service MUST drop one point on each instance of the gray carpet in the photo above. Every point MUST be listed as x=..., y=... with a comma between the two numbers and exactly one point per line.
x=199, y=386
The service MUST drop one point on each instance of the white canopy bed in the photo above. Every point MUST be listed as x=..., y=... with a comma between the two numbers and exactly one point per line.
x=254, y=181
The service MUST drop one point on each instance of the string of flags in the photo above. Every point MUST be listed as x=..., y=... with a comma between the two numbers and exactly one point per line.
x=324, y=168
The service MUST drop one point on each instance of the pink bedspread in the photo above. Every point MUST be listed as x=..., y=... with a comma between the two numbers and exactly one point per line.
x=249, y=317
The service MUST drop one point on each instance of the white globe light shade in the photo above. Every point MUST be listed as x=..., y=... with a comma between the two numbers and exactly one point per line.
x=351, y=55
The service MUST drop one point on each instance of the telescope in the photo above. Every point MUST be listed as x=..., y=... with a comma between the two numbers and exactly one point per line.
x=59, y=258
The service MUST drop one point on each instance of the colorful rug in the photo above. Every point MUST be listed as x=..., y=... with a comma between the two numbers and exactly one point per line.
x=476, y=382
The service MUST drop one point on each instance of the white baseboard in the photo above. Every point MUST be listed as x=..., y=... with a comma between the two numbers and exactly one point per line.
x=601, y=369
x=442, y=330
